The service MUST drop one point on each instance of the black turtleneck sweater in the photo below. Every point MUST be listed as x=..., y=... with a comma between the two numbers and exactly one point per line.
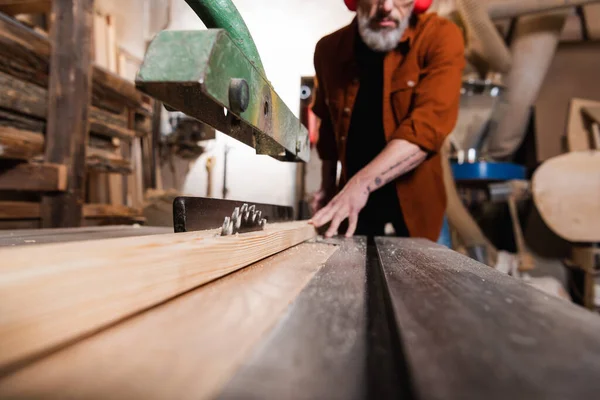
x=366, y=139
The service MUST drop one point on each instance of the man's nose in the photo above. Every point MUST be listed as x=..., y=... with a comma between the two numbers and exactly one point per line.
x=386, y=6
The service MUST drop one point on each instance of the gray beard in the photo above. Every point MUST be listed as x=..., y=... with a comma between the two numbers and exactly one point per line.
x=382, y=40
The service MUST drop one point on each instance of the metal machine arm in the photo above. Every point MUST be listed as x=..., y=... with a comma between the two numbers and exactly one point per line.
x=216, y=76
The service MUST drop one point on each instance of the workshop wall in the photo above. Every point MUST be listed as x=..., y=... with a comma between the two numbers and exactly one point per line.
x=572, y=74
x=285, y=33
x=129, y=25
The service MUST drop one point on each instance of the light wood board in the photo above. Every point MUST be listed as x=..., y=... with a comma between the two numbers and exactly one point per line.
x=187, y=348
x=31, y=237
x=566, y=191
x=31, y=210
x=34, y=177
x=20, y=144
x=14, y=7
x=578, y=136
x=52, y=294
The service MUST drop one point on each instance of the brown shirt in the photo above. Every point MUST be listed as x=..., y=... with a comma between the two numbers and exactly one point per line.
x=421, y=97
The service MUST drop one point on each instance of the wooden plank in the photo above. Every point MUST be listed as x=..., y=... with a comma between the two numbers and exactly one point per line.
x=106, y=161
x=592, y=112
x=29, y=237
x=110, y=130
x=13, y=224
x=471, y=332
x=113, y=220
x=69, y=96
x=20, y=121
x=16, y=210
x=143, y=125
x=79, y=237
x=96, y=187
x=31, y=210
x=110, y=282
x=31, y=100
x=19, y=144
x=115, y=181
x=24, y=53
x=23, y=97
x=200, y=337
x=14, y=7
x=103, y=143
x=566, y=192
x=23, y=145
x=112, y=85
x=27, y=55
x=100, y=53
x=34, y=177
x=16, y=224
x=319, y=349
x=136, y=188
x=578, y=136
x=111, y=45
x=110, y=210
x=592, y=16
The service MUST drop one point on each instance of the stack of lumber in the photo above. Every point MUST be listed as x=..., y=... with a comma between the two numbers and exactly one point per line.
x=273, y=314
x=120, y=120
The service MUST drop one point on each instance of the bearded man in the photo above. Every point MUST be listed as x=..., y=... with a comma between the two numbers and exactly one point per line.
x=387, y=95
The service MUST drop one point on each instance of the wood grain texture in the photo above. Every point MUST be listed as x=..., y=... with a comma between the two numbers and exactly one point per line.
x=31, y=100
x=566, y=191
x=101, y=160
x=34, y=178
x=29, y=237
x=578, y=136
x=319, y=349
x=143, y=125
x=136, y=180
x=55, y=293
x=17, y=224
x=19, y=121
x=26, y=54
x=31, y=210
x=10, y=224
x=187, y=348
x=13, y=7
x=110, y=210
x=592, y=112
x=69, y=96
x=470, y=332
x=20, y=144
x=15, y=210
x=107, y=129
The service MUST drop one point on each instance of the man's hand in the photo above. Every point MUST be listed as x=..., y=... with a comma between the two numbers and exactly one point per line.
x=397, y=158
x=347, y=204
x=321, y=199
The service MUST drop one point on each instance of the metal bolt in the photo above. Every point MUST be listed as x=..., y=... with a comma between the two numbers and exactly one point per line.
x=239, y=95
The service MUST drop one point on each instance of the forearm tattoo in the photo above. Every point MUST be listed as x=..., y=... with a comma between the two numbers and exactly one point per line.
x=404, y=165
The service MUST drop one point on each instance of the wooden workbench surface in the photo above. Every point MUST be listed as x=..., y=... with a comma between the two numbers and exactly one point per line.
x=337, y=319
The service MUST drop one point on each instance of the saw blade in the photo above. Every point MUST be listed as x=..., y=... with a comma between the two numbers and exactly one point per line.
x=243, y=219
